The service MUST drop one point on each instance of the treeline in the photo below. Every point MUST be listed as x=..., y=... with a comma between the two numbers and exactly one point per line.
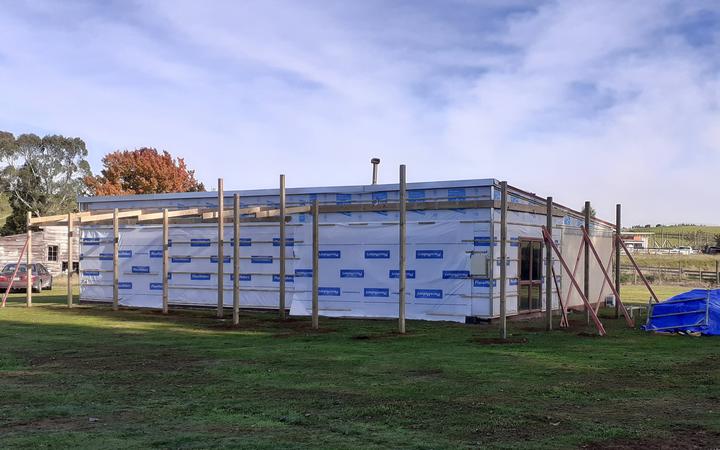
x=660, y=225
x=45, y=175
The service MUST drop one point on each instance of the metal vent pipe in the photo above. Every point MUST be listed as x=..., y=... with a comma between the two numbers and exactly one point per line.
x=375, y=162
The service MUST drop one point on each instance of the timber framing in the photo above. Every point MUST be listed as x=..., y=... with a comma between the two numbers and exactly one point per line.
x=59, y=218
x=438, y=205
x=278, y=214
x=265, y=212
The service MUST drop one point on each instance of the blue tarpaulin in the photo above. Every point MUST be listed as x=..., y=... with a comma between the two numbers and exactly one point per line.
x=696, y=311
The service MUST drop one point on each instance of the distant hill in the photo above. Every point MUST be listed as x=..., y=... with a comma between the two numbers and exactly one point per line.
x=681, y=234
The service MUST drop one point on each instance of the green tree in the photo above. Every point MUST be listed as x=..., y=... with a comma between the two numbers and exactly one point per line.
x=717, y=239
x=592, y=211
x=41, y=175
x=4, y=208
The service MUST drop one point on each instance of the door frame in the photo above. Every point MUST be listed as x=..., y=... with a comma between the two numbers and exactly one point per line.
x=528, y=284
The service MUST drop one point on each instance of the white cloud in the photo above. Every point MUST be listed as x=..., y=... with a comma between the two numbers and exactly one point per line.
x=606, y=101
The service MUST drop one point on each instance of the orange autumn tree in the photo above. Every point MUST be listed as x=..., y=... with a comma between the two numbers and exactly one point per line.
x=142, y=171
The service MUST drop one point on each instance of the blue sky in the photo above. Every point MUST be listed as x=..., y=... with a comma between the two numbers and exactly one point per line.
x=608, y=101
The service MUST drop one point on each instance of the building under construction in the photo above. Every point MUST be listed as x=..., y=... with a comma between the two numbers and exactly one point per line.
x=453, y=254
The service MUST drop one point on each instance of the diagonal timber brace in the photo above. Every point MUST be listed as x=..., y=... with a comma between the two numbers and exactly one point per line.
x=549, y=241
x=632, y=260
x=568, y=296
x=17, y=266
x=602, y=288
x=586, y=238
x=564, y=323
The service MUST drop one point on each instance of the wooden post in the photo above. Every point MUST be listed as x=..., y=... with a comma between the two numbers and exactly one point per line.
x=165, y=261
x=586, y=263
x=116, y=265
x=618, y=234
x=236, y=259
x=70, y=258
x=503, y=259
x=281, y=306
x=28, y=266
x=220, y=252
x=315, y=265
x=548, y=269
x=717, y=271
x=402, y=249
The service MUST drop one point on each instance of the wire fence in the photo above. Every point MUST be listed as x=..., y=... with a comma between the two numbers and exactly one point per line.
x=674, y=274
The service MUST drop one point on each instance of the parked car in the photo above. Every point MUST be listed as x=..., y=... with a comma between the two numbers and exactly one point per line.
x=685, y=250
x=41, y=277
x=711, y=250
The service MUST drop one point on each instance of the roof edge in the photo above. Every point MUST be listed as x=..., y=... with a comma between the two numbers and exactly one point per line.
x=485, y=182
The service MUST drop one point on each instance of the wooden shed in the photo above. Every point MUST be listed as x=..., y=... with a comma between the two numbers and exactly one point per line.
x=49, y=247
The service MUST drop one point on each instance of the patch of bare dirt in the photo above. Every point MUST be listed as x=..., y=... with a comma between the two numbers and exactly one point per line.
x=588, y=334
x=532, y=329
x=50, y=424
x=146, y=362
x=699, y=438
x=424, y=374
x=18, y=373
x=498, y=341
x=377, y=336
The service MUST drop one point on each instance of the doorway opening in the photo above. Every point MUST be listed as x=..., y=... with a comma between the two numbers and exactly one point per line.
x=530, y=263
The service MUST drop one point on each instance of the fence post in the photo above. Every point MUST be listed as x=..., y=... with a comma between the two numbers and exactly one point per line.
x=315, y=265
x=503, y=258
x=220, y=250
x=681, y=271
x=28, y=266
x=586, y=265
x=116, y=268
x=717, y=272
x=70, y=257
x=281, y=306
x=618, y=233
x=548, y=268
x=236, y=259
x=165, y=261
x=403, y=249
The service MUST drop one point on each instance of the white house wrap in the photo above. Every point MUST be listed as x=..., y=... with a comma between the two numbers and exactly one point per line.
x=452, y=254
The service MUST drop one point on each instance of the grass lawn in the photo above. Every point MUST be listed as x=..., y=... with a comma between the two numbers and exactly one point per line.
x=638, y=293
x=687, y=262
x=88, y=377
